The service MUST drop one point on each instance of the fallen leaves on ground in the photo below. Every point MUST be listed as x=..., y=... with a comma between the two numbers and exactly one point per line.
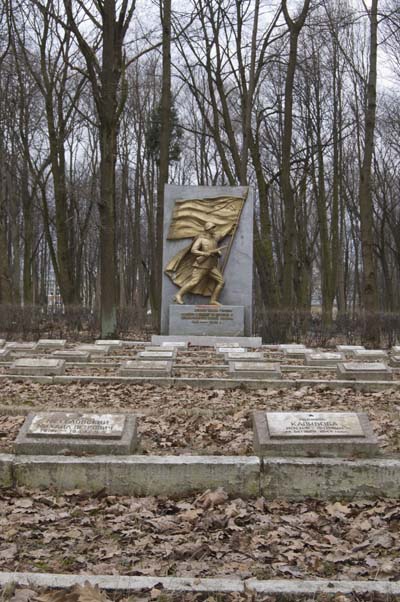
x=200, y=536
x=197, y=421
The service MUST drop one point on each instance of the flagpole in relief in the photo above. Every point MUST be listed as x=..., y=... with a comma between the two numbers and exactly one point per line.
x=234, y=232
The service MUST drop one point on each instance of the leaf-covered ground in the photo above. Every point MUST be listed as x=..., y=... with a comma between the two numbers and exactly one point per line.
x=202, y=536
x=197, y=421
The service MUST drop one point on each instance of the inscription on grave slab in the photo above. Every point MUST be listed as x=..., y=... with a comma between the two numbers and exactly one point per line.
x=72, y=424
x=314, y=424
x=368, y=367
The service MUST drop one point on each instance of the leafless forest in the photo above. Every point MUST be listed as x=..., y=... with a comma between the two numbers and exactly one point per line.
x=104, y=101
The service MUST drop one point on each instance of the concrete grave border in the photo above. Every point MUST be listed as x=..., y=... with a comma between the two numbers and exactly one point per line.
x=245, y=476
x=288, y=587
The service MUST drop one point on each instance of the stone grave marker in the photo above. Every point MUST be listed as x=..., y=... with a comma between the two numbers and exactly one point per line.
x=2, y=343
x=314, y=434
x=177, y=344
x=94, y=349
x=396, y=349
x=394, y=361
x=363, y=371
x=51, y=344
x=244, y=356
x=164, y=349
x=369, y=354
x=21, y=347
x=224, y=350
x=255, y=370
x=37, y=367
x=5, y=355
x=156, y=355
x=146, y=368
x=284, y=346
x=324, y=358
x=112, y=343
x=348, y=349
x=76, y=433
x=297, y=353
x=72, y=355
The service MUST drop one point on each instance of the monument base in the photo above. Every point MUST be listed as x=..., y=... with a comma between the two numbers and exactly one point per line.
x=206, y=320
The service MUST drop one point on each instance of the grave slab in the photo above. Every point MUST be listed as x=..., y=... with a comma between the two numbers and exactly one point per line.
x=224, y=350
x=51, y=344
x=244, y=356
x=256, y=370
x=324, y=359
x=297, y=353
x=204, y=320
x=2, y=343
x=94, y=349
x=177, y=344
x=161, y=349
x=284, y=346
x=156, y=355
x=394, y=361
x=396, y=349
x=5, y=355
x=36, y=367
x=21, y=347
x=208, y=341
x=363, y=371
x=50, y=433
x=369, y=354
x=146, y=368
x=72, y=355
x=348, y=349
x=112, y=343
x=314, y=434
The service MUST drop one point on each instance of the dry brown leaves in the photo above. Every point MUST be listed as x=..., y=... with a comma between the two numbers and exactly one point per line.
x=188, y=420
x=200, y=536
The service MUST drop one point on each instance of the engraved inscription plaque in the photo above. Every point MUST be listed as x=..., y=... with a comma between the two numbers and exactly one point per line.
x=73, y=424
x=314, y=424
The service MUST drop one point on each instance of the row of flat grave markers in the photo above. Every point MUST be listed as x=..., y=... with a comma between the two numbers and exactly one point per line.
x=154, y=361
x=248, y=365
x=282, y=434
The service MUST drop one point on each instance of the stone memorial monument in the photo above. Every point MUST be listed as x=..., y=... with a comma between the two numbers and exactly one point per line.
x=208, y=261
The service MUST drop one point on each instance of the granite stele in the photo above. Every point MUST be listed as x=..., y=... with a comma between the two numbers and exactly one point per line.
x=314, y=434
x=76, y=433
x=208, y=261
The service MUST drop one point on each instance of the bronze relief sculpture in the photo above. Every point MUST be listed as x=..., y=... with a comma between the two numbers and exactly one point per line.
x=195, y=269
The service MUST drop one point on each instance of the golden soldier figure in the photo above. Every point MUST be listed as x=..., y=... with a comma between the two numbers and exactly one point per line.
x=205, y=267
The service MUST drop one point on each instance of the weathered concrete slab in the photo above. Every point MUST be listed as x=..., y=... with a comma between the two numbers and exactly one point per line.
x=21, y=347
x=324, y=358
x=205, y=320
x=112, y=343
x=314, y=434
x=328, y=478
x=254, y=370
x=152, y=356
x=94, y=349
x=177, y=344
x=146, y=368
x=141, y=475
x=297, y=353
x=37, y=367
x=209, y=341
x=5, y=355
x=364, y=371
x=51, y=344
x=243, y=356
x=285, y=346
x=348, y=349
x=238, y=274
x=78, y=433
x=72, y=355
x=369, y=354
x=2, y=343
x=287, y=589
x=394, y=361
